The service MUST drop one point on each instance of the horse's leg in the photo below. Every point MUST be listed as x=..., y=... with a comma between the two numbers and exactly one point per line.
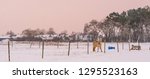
x=101, y=49
x=94, y=49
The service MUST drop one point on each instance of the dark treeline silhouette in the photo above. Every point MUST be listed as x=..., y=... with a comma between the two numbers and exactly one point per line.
x=132, y=25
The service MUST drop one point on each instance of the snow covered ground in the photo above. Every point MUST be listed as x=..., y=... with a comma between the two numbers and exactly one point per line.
x=21, y=52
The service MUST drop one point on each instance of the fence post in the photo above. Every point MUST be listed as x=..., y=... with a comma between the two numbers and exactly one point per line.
x=8, y=50
x=117, y=46
x=129, y=45
x=42, y=49
x=69, y=49
x=58, y=44
x=129, y=40
x=87, y=46
x=31, y=44
x=104, y=46
x=122, y=45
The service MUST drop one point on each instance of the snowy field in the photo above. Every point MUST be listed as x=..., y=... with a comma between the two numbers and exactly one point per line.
x=21, y=52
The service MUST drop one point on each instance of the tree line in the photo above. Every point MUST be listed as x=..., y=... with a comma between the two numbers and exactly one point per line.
x=132, y=25
x=128, y=26
x=40, y=34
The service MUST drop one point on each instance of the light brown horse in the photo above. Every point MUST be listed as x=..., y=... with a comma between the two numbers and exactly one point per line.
x=97, y=44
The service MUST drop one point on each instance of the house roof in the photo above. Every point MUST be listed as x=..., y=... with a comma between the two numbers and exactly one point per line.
x=4, y=37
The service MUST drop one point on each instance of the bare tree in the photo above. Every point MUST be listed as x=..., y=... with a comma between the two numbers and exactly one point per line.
x=51, y=31
x=10, y=33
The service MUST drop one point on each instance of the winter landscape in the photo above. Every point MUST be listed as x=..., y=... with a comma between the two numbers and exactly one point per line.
x=73, y=31
x=23, y=52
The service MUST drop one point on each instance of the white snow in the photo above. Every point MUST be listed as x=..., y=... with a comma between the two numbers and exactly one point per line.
x=21, y=52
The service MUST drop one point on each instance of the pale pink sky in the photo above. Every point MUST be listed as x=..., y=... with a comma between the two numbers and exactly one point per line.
x=70, y=15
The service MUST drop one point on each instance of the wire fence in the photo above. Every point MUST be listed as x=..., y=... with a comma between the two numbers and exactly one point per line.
x=48, y=48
